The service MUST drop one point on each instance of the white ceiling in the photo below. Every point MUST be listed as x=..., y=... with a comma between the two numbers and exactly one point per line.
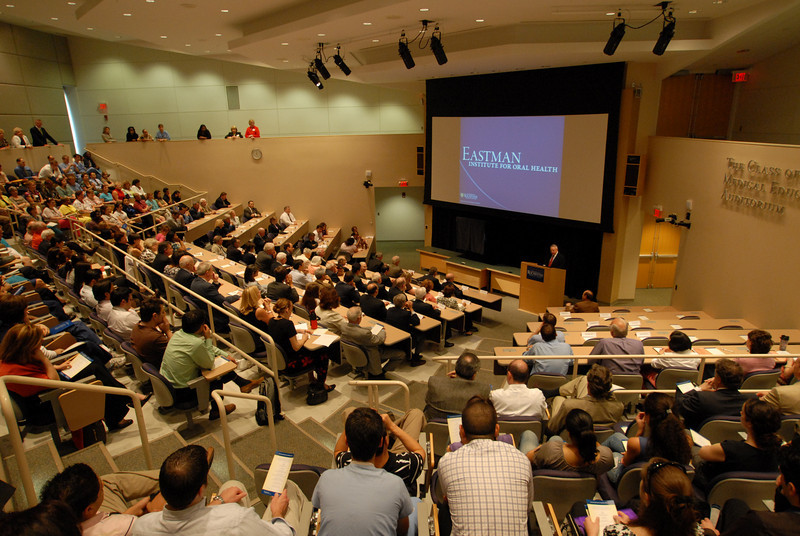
x=514, y=34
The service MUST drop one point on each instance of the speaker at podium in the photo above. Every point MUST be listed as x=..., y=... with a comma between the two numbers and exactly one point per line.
x=540, y=287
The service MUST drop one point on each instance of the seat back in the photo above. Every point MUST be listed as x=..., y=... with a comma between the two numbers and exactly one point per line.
x=752, y=488
x=543, y=380
x=227, y=277
x=597, y=328
x=242, y=338
x=191, y=304
x=628, y=485
x=669, y=377
x=113, y=339
x=627, y=381
x=762, y=379
x=655, y=341
x=300, y=311
x=516, y=425
x=789, y=425
x=717, y=429
x=305, y=476
x=85, y=310
x=135, y=360
x=562, y=489
x=162, y=389
x=278, y=351
x=437, y=428
x=97, y=324
x=354, y=354
x=705, y=342
x=177, y=295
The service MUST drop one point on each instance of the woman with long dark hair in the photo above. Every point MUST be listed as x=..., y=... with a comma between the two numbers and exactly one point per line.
x=666, y=508
x=582, y=453
x=659, y=432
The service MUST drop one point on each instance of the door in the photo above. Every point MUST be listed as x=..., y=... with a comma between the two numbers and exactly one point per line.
x=399, y=214
x=658, y=254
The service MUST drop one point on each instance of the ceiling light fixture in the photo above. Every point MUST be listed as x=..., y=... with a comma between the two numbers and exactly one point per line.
x=376, y=40
x=312, y=75
x=127, y=14
x=90, y=28
x=320, y=35
x=437, y=48
x=319, y=65
x=405, y=53
x=424, y=9
x=163, y=37
x=480, y=20
x=223, y=11
x=339, y=61
x=617, y=33
x=53, y=18
x=667, y=31
x=367, y=23
x=284, y=44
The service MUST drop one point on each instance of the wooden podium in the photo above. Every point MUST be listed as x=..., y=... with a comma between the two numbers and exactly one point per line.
x=540, y=287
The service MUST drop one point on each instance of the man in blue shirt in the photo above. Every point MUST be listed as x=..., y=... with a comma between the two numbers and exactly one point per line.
x=362, y=498
x=549, y=345
x=162, y=135
x=22, y=171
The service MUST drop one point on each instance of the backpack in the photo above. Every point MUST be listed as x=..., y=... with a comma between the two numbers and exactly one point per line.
x=316, y=394
x=268, y=389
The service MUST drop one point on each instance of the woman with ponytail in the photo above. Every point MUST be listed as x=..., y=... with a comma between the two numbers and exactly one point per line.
x=757, y=453
x=582, y=453
x=659, y=432
x=666, y=508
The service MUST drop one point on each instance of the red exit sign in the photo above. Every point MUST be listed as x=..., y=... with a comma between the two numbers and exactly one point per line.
x=402, y=183
x=741, y=76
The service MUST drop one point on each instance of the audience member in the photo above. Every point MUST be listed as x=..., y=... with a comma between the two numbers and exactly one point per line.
x=679, y=345
x=282, y=286
x=549, y=345
x=469, y=477
x=447, y=394
x=371, y=305
x=586, y=305
x=620, y=344
x=786, y=397
x=207, y=284
x=346, y=289
x=716, y=396
x=122, y=318
x=591, y=393
x=326, y=311
x=758, y=342
x=515, y=399
x=152, y=333
x=353, y=332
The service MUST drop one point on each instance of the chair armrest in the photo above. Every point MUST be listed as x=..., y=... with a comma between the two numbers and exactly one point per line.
x=201, y=387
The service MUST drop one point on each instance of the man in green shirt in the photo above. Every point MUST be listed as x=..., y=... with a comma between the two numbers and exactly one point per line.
x=190, y=350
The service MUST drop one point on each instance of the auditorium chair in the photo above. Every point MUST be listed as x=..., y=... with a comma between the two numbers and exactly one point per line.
x=562, y=489
x=136, y=362
x=290, y=377
x=514, y=426
x=597, y=328
x=545, y=380
x=705, y=342
x=670, y=377
x=439, y=436
x=789, y=425
x=356, y=356
x=655, y=341
x=719, y=428
x=628, y=382
x=244, y=339
x=762, y=379
x=305, y=476
x=752, y=488
x=165, y=396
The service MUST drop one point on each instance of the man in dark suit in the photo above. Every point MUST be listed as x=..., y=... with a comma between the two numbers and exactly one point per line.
x=162, y=257
x=359, y=271
x=260, y=239
x=371, y=305
x=402, y=317
x=186, y=274
x=250, y=211
x=375, y=263
x=716, y=396
x=586, y=305
x=347, y=292
x=432, y=276
x=206, y=284
x=196, y=212
x=274, y=228
x=233, y=252
x=222, y=201
x=39, y=136
x=399, y=287
x=556, y=259
x=265, y=258
x=448, y=396
x=451, y=279
x=426, y=309
x=282, y=286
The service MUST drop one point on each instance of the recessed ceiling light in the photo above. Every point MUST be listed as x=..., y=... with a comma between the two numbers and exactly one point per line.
x=150, y=1
x=9, y=5
x=320, y=35
x=424, y=9
x=163, y=37
x=127, y=14
x=480, y=20
x=188, y=44
x=207, y=51
x=285, y=61
x=284, y=44
x=70, y=3
x=218, y=35
x=376, y=40
x=610, y=13
x=53, y=18
x=90, y=28
x=367, y=23
x=117, y=37
x=223, y=10
x=692, y=12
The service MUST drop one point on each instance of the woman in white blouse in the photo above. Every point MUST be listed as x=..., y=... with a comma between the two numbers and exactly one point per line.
x=19, y=139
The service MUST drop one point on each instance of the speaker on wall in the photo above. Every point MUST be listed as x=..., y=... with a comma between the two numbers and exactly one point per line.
x=634, y=175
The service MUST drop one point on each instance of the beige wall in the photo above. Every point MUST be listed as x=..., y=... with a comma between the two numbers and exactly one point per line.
x=734, y=261
x=319, y=176
x=34, y=68
x=767, y=108
x=143, y=87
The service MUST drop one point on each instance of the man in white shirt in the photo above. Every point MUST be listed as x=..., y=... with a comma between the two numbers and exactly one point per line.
x=287, y=218
x=102, y=294
x=81, y=204
x=87, y=296
x=183, y=482
x=515, y=399
x=122, y=318
x=50, y=170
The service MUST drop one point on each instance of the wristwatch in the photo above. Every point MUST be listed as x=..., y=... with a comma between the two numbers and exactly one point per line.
x=218, y=498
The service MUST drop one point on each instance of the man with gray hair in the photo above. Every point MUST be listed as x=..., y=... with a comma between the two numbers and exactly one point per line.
x=355, y=333
x=281, y=258
x=447, y=395
x=394, y=269
x=375, y=262
x=185, y=274
x=265, y=258
x=207, y=284
x=618, y=344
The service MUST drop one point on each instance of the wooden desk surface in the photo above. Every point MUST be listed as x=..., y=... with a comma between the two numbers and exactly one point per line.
x=724, y=336
x=640, y=309
x=330, y=244
x=248, y=229
x=292, y=234
x=673, y=323
x=219, y=371
x=197, y=228
x=656, y=315
x=364, y=254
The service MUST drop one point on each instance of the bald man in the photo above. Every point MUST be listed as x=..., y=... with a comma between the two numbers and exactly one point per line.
x=586, y=305
x=515, y=399
x=618, y=344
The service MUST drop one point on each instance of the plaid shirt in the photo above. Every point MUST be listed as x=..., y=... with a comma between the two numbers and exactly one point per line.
x=489, y=487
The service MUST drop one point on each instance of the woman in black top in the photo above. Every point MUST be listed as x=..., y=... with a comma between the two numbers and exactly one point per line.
x=131, y=135
x=283, y=332
x=203, y=133
x=757, y=453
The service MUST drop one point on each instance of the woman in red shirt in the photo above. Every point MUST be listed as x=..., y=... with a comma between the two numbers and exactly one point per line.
x=252, y=130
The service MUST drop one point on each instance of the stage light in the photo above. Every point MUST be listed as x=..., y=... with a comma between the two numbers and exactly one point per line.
x=405, y=53
x=436, y=47
x=616, y=36
x=321, y=69
x=666, y=35
x=312, y=75
x=339, y=61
